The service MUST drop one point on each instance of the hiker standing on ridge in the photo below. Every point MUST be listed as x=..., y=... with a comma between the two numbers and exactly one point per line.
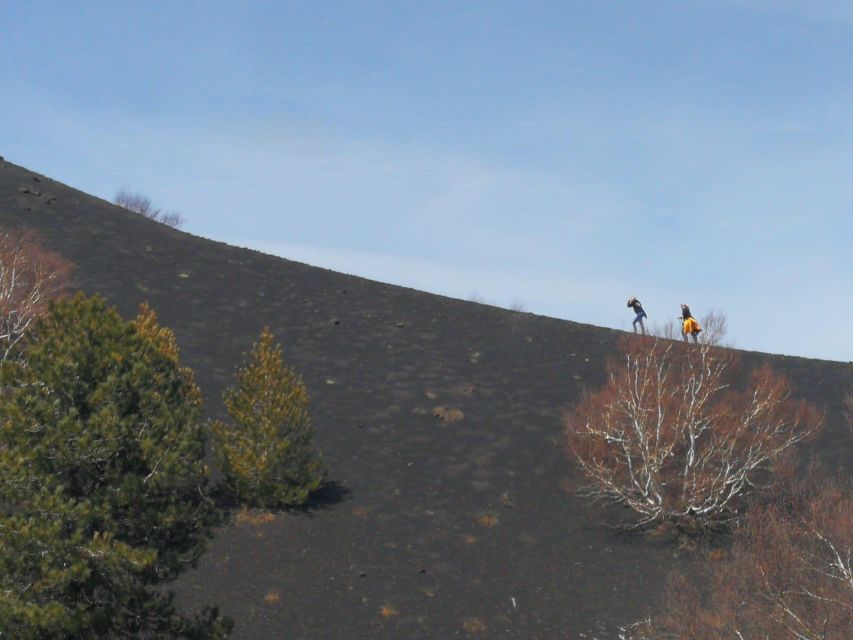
x=638, y=309
x=689, y=326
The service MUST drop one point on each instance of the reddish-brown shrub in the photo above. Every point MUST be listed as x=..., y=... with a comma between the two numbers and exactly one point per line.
x=789, y=576
x=30, y=275
x=670, y=437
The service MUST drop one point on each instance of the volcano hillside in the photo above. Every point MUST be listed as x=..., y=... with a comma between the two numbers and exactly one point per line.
x=439, y=419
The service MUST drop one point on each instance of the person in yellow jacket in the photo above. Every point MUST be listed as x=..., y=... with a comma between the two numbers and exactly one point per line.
x=689, y=326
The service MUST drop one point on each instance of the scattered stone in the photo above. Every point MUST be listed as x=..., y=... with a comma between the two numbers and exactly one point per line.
x=184, y=274
x=330, y=381
x=36, y=179
x=336, y=321
x=432, y=395
x=400, y=325
x=576, y=376
x=475, y=357
x=468, y=389
x=25, y=188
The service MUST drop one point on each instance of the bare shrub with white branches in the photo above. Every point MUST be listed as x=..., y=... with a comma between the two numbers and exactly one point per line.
x=671, y=437
x=714, y=329
x=789, y=575
x=141, y=204
x=30, y=276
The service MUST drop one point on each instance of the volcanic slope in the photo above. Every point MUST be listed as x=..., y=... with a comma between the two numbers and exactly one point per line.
x=440, y=422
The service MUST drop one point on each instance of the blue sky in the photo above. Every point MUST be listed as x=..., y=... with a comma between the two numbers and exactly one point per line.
x=564, y=155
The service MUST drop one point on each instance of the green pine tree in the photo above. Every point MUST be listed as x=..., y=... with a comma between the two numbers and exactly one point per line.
x=102, y=478
x=61, y=578
x=266, y=450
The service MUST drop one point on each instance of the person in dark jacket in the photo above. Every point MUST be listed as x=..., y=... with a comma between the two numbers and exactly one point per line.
x=638, y=309
x=689, y=326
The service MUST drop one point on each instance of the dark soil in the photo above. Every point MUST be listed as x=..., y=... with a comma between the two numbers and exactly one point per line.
x=439, y=419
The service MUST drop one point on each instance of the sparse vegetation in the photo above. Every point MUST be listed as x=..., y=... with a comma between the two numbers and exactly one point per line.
x=515, y=305
x=142, y=205
x=670, y=436
x=247, y=517
x=101, y=466
x=265, y=451
x=475, y=625
x=487, y=520
x=448, y=415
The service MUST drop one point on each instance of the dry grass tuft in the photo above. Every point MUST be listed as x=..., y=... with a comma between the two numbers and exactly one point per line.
x=389, y=611
x=717, y=555
x=448, y=414
x=475, y=625
x=245, y=516
x=487, y=520
x=272, y=597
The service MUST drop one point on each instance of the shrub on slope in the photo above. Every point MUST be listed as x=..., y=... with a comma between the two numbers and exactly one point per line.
x=265, y=451
x=671, y=437
x=101, y=451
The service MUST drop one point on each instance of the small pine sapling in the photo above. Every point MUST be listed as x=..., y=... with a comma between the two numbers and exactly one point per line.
x=265, y=451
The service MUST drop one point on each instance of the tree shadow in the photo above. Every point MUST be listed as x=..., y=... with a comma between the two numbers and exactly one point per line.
x=326, y=497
